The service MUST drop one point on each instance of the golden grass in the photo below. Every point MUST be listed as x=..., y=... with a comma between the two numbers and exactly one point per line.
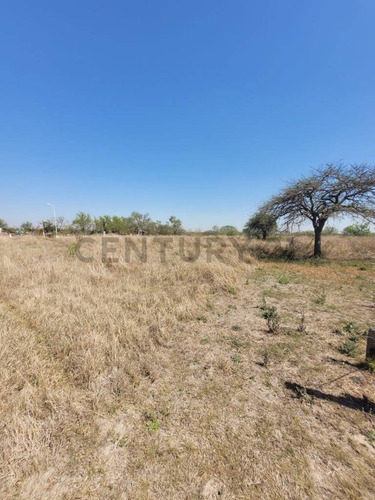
x=334, y=247
x=148, y=381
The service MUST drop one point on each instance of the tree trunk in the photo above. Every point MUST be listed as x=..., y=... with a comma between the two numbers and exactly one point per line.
x=318, y=242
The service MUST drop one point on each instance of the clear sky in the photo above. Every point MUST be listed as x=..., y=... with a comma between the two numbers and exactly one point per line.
x=200, y=109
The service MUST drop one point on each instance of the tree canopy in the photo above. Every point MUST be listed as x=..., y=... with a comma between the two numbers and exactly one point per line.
x=84, y=222
x=3, y=224
x=229, y=230
x=27, y=226
x=331, y=191
x=135, y=223
x=260, y=225
x=357, y=230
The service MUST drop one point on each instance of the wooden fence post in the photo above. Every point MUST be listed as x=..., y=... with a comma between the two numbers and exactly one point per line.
x=370, y=348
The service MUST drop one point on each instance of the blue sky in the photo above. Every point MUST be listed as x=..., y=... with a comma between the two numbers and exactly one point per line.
x=200, y=109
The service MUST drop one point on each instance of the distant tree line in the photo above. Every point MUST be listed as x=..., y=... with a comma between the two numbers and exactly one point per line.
x=136, y=223
x=84, y=223
x=259, y=226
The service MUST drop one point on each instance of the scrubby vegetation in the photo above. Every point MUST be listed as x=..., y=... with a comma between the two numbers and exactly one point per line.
x=261, y=225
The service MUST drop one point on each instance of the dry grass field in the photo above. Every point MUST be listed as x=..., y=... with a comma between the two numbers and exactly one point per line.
x=161, y=380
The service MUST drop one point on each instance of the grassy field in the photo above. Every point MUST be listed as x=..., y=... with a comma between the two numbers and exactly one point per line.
x=156, y=380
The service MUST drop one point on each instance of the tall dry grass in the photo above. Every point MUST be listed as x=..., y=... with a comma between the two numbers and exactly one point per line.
x=110, y=389
x=300, y=247
x=80, y=340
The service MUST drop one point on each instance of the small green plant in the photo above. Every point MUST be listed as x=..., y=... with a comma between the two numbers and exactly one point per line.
x=283, y=279
x=72, y=249
x=266, y=359
x=349, y=347
x=237, y=359
x=350, y=328
x=353, y=332
x=236, y=328
x=301, y=393
x=205, y=340
x=272, y=317
x=321, y=298
x=236, y=342
x=153, y=425
x=202, y=318
x=302, y=326
x=121, y=442
x=231, y=289
x=263, y=307
x=371, y=436
x=354, y=337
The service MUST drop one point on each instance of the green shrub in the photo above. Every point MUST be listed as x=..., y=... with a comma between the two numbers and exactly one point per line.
x=357, y=230
x=283, y=280
x=349, y=347
x=350, y=328
x=72, y=249
x=236, y=358
x=272, y=317
x=321, y=298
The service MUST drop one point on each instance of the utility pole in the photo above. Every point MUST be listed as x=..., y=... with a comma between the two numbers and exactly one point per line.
x=54, y=216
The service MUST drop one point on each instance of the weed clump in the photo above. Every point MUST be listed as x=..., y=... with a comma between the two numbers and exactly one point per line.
x=301, y=328
x=236, y=358
x=350, y=346
x=152, y=423
x=283, y=279
x=266, y=359
x=231, y=289
x=235, y=342
x=236, y=328
x=272, y=317
x=321, y=298
x=72, y=249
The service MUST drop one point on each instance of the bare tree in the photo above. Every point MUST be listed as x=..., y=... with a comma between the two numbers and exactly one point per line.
x=330, y=191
